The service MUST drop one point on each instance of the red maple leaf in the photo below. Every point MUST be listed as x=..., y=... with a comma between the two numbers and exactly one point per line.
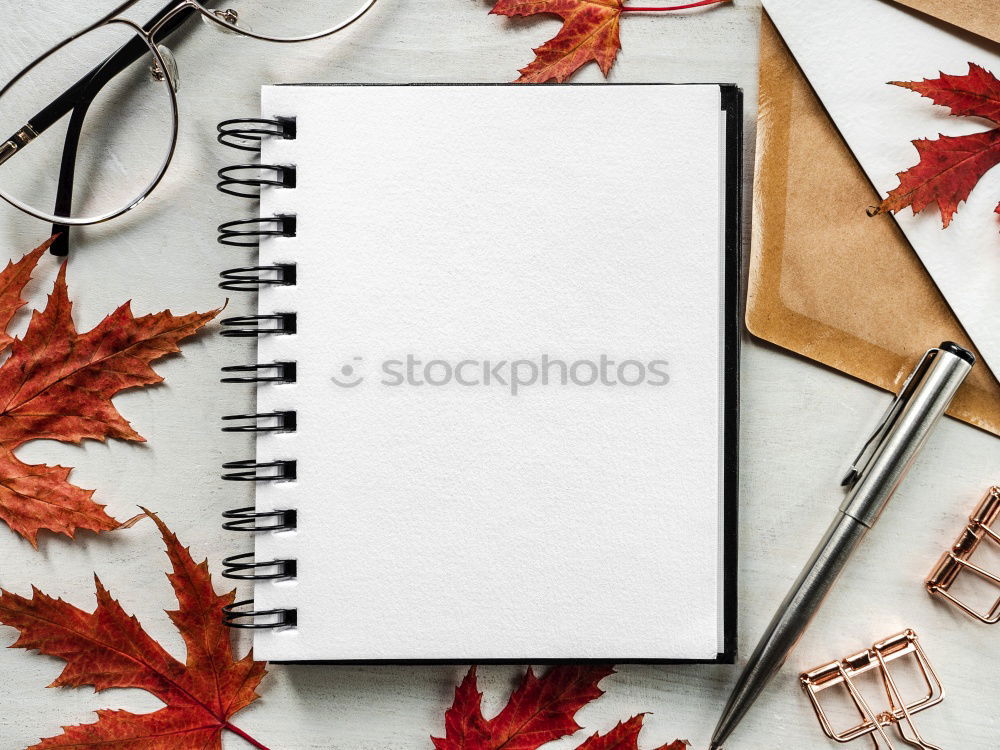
x=540, y=710
x=589, y=33
x=108, y=648
x=57, y=384
x=951, y=166
x=625, y=736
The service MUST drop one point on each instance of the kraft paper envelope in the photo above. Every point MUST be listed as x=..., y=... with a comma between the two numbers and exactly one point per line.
x=827, y=281
x=978, y=16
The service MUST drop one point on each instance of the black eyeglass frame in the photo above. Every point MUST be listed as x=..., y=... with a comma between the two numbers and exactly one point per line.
x=77, y=99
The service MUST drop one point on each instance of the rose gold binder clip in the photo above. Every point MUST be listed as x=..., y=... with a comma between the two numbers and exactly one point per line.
x=899, y=712
x=981, y=529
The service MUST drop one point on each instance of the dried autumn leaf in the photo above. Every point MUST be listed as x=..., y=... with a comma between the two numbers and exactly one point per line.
x=57, y=384
x=108, y=648
x=951, y=166
x=540, y=710
x=589, y=33
x=975, y=94
x=12, y=282
x=625, y=736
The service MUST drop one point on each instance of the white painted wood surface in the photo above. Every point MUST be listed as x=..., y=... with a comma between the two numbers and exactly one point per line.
x=800, y=426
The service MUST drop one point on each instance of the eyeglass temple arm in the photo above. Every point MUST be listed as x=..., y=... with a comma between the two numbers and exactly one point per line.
x=81, y=95
x=67, y=172
x=96, y=79
x=87, y=89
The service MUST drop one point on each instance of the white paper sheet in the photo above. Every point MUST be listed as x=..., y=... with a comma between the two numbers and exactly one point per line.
x=479, y=223
x=848, y=50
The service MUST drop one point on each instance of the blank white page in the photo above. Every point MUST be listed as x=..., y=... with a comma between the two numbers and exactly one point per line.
x=450, y=239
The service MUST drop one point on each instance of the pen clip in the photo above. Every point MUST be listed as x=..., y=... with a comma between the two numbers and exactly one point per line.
x=885, y=424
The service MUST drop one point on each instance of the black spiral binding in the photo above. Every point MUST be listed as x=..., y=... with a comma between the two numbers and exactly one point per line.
x=250, y=278
x=245, y=181
x=284, y=372
x=249, y=470
x=275, y=421
x=247, y=326
x=251, y=519
x=247, y=134
x=245, y=568
x=247, y=232
x=236, y=615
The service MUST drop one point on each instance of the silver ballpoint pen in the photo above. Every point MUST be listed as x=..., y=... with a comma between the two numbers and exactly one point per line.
x=876, y=472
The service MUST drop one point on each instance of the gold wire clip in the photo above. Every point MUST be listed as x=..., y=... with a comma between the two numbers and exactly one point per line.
x=899, y=713
x=980, y=529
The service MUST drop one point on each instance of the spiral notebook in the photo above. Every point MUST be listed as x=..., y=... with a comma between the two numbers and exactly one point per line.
x=497, y=372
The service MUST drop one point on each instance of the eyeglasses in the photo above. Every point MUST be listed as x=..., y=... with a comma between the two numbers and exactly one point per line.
x=99, y=110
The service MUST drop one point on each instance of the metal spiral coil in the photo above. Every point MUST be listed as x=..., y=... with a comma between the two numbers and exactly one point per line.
x=252, y=520
x=247, y=133
x=252, y=278
x=274, y=421
x=232, y=181
x=284, y=372
x=249, y=470
x=247, y=232
x=245, y=181
x=236, y=615
x=250, y=326
x=244, y=568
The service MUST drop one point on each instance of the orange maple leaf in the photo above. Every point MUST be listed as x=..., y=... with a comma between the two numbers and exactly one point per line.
x=108, y=648
x=589, y=33
x=951, y=166
x=540, y=710
x=57, y=384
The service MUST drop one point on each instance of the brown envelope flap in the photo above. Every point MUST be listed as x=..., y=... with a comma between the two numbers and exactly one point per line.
x=826, y=280
x=978, y=16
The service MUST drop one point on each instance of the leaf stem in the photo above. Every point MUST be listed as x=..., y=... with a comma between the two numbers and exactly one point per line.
x=700, y=3
x=236, y=730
